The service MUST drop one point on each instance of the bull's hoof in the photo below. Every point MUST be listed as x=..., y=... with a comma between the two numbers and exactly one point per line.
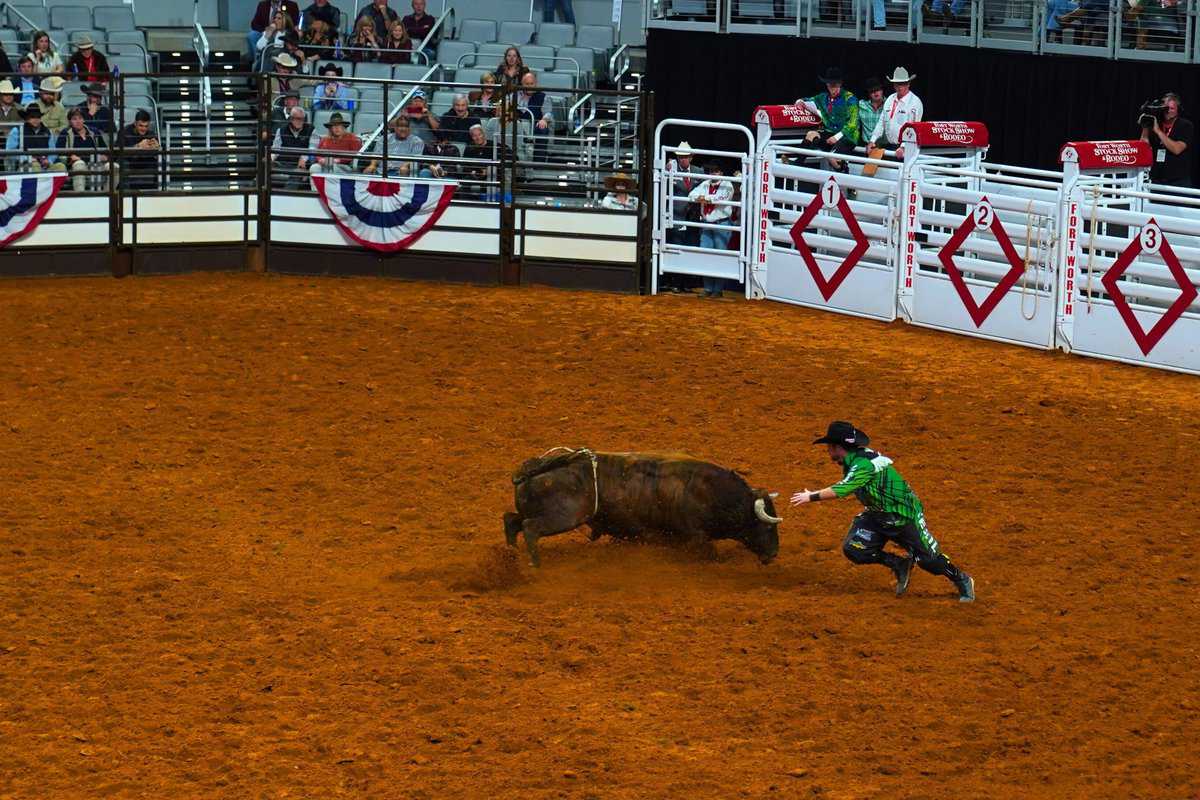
x=511, y=538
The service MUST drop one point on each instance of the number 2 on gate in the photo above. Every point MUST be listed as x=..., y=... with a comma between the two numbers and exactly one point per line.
x=984, y=214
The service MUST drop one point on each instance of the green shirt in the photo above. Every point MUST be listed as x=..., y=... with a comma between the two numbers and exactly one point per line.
x=868, y=116
x=878, y=486
x=838, y=114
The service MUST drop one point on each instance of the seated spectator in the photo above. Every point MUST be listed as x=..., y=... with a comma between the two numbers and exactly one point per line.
x=27, y=82
x=441, y=147
x=419, y=24
x=838, y=111
x=536, y=107
x=285, y=79
x=304, y=62
x=319, y=41
x=10, y=112
x=264, y=15
x=287, y=150
x=87, y=63
x=54, y=113
x=364, y=44
x=481, y=149
x=331, y=94
x=1055, y=11
x=83, y=150
x=282, y=113
x=508, y=123
x=619, y=197
x=710, y=194
x=327, y=13
x=33, y=135
x=510, y=70
x=43, y=55
x=483, y=100
x=96, y=115
x=338, y=140
x=399, y=144
x=140, y=146
x=419, y=116
x=397, y=47
x=457, y=122
x=6, y=67
x=282, y=24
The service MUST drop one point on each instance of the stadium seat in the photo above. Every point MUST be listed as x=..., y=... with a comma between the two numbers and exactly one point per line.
x=72, y=93
x=113, y=18
x=71, y=18
x=449, y=52
x=370, y=98
x=688, y=8
x=556, y=34
x=586, y=57
x=519, y=33
x=597, y=37
x=490, y=55
x=127, y=43
x=128, y=64
x=366, y=122
x=409, y=72
x=38, y=17
x=763, y=9
x=12, y=43
x=476, y=30
x=538, y=57
x=443, y=100
x=372, y=69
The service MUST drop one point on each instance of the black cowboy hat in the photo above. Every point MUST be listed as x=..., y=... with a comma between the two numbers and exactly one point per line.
x=832, y=75
x=331, y=66
x=336, y=119
x=871, y=85
x=31, y=110
x=94, y=88
x=844, y=434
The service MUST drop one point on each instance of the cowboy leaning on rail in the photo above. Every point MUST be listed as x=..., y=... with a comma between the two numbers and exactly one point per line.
x=893, y=512
x=838, y=110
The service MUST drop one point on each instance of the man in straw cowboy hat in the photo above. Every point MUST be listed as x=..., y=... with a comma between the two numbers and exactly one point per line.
x=838, y=110
x=54, y=113
x=900, y=108
x=893, y=512
x=87, y=63
x=10, y=112
x=622, y=193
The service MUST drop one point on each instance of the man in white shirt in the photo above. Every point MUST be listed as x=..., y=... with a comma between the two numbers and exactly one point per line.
x=713, y=196
x=900, y=108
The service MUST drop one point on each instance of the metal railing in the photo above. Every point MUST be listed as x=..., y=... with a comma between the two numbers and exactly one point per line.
x=204, y=55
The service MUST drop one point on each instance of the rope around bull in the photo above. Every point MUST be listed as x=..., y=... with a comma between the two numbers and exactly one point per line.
x=595, y=476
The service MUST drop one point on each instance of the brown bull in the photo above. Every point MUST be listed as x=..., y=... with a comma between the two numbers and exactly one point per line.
x=630, y=494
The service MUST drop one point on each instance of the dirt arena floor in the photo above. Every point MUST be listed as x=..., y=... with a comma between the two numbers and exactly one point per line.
x=249, y=534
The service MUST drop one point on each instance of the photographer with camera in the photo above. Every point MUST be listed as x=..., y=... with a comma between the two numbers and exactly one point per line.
x=1170, y=137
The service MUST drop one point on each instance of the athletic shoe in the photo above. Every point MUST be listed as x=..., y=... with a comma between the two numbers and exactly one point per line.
x=966, y=589
x=903, y=570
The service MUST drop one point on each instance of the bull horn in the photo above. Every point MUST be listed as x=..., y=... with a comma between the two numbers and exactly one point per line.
x=760, y=511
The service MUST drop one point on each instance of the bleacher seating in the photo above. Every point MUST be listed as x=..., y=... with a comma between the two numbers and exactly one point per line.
x=556, y=34
x=70, y=17
x=113, y=18
x=477, y=30
x=516, y=32
x=38, y=16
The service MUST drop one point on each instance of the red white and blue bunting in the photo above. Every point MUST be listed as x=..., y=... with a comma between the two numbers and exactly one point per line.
x=383, y=215
x=24, y=201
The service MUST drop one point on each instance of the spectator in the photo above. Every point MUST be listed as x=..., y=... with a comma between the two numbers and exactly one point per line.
x=282, y=113
x=457, y=122
x=83, y=150
x=364, y=44
x=285, y=78
x=481, y=149
x=397, y=47
x=838, y=111
x=951, y=15
x=870, y=109
x=327, y=13
x=304, y=63
x=1172, y=145
x=619, y=198
x=96, y=115
x=710, y=194
x=381, y=19
x=900, y=108
x=264, y=15
x=6, y=67
x=419, y=25
x=88, y=64
x=290, y=150
x=568, y=13
x=54, y=113
x=318, y=41
x=510, y=70
x=43, y=55
x=441, y=147
x=27, y=81
x=332, y=94
x=399, y=145
x=419, y=117
x=682, y=210
x=507, y=123
x=282, y=24
x=483, y=100
x=139, y=145
x=878, y=15
x=1055, y=11
x=537, y=108
x=10, y=112
x=1090, y=20
x=33, y=135
x=339, y=140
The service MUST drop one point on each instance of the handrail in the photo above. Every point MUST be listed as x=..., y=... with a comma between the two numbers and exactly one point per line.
x=578, y=69
x=373, y=135
x=448, y=12
x=612, y=63
x=587, y=98
x=200, y=44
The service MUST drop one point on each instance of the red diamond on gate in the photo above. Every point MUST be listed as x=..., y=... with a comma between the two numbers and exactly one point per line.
x=828, y=287
x=980, y=311
x=1146, y=340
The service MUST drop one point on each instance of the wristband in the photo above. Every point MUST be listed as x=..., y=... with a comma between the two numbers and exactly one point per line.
x=814, y=497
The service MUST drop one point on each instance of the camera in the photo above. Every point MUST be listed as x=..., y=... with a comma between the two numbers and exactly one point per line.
x=1150, y=112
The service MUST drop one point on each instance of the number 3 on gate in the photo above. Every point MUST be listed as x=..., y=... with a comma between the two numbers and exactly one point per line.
x=1151, y=238
x=984, y=214
x=831, y=193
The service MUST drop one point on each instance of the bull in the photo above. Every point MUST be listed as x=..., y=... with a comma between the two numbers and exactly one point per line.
x=627, y=495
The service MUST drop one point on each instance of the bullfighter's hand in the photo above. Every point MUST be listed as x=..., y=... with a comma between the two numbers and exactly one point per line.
x=800, y=498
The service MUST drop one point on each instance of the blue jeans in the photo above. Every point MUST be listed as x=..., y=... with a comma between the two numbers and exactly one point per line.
x=714, y=240
x=956, y=7
x=252, y=40
x=548, y=7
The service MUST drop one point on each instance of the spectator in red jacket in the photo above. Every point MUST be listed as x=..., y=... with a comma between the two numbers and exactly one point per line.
x=87, y=64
